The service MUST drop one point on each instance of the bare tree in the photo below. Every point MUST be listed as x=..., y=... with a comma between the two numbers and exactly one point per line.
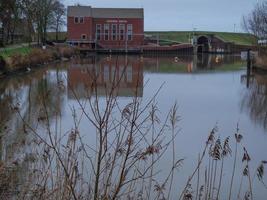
x=59, y=12
x=42, y=14
x=256, y=21
x=9, y=15
x=29, y=12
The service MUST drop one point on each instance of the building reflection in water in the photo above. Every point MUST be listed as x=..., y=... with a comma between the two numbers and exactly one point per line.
x=192, y=64
x=122, y=75
x=30, y=91
x=254, y=99
x=124, y=72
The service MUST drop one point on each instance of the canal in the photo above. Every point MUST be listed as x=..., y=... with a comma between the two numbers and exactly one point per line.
x=207, y=90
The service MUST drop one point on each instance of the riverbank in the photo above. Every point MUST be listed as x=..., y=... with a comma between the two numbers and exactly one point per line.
x=25, y=58
x=261, y=64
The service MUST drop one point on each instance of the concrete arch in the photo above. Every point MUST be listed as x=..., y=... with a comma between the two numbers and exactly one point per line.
x=203, y=43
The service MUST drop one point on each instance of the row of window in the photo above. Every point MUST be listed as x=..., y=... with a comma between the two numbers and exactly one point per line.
x=117, y=32
x=78, y=20
x=109, y=31
x=109, y=75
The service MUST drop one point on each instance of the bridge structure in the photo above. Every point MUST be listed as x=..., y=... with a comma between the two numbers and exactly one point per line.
x=209, y=43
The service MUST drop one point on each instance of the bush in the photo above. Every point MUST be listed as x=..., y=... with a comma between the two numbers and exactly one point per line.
x=13, y=62
x=36, y=56
x=65, y=51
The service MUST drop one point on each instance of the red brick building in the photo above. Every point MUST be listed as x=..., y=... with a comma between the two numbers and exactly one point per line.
x=107, y=28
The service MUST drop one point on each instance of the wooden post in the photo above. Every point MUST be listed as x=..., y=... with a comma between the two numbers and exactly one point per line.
x=248, y=67
x=248, y=60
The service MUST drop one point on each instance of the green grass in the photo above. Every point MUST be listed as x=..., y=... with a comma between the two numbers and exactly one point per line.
x=52, y=36
x=183, y=36
x=9, y=51
x=167, y=42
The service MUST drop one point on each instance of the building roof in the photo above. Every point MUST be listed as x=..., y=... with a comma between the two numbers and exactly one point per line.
x=88, y=11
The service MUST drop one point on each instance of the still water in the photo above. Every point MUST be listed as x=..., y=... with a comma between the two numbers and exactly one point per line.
x=209, y=91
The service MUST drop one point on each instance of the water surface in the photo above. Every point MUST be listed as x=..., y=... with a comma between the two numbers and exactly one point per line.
x=209, y=90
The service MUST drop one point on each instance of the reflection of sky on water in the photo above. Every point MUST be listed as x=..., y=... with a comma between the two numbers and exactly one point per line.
x=208, y=90
x=254, y=101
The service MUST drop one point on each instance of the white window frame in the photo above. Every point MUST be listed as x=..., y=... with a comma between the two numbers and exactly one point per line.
x=106, y=35
x=82, y=20
x=129, y=32
x=114, y=34
x=122, y=27
x=96, y=32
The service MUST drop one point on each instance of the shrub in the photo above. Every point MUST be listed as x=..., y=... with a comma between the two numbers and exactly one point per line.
x=65, y=51
x=13, y=62
x=36, y=56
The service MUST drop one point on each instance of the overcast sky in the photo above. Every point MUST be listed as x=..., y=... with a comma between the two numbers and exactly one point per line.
x=178, y=15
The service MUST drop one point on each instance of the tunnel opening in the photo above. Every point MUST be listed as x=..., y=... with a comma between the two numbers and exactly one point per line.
x=203, y=44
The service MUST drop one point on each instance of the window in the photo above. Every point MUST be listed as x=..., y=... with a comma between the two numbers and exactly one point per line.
x=98, y=32
x=83, y=37
x=114, y=31
x=129, y=32
x=81, y=20
x=122, y=31
x=106, y=31
x=78, y=20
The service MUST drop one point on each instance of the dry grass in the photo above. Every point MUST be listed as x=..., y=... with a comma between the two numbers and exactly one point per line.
x=37, y=56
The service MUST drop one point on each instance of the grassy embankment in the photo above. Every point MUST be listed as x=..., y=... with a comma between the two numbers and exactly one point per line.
x=169, y=37
x=8, y=52
x=19, y=57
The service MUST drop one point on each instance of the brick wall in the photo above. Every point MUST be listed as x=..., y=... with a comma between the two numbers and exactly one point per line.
x=76, y=30
x=88, y=27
